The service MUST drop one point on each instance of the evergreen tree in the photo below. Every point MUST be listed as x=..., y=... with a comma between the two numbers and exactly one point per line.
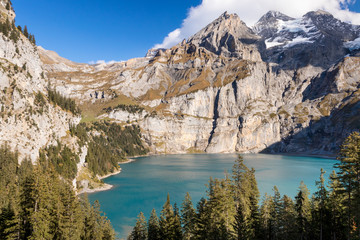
x=303, y=211
x=168, y=228
x=26, y=33
x=40, y=211
x=140, y=230
x=153, y=226
x=337, y=208
x=188, y=217
x=6, y=28
x=202, y=220
x=9, y=223
x=320, y=214
x=247, y=193
x=287, y=219
x=349, y=177
x=177, y=223
x=69, y=214
x=275, y=211
x=266, y=217
x=221, y=205
x=241, y=224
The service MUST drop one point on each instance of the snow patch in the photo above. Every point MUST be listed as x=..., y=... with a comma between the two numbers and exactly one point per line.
x=298, y=40
x=273, y=43
x=296, y=25
x=353, y=45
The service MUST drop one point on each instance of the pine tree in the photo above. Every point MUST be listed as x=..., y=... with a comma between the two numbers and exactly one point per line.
x=7, y=28
x=153, y=226
x=287, y=219
x=275, y=211
x=188, y=217
x=303, y=211
x=266, y=221
x=69, y=221
x=320, y=212
x=9, y=223
x=167, y=221
x=27, y=201
x=247, y=193
x=241, y=224
x=349, y=177
x=337, y=208
x=26, y=33
x=202, y=220
x=177, y=223
x=221, y=205
x=254, y=197
x=140, y=230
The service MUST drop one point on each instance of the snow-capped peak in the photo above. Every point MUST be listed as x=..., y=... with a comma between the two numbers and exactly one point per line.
x=280, y=30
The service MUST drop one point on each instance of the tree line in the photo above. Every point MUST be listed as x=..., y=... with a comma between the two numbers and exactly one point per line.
x=111, y=145
x=232, y=210
x=65, y=103
x=36, y=203
x=9, y=29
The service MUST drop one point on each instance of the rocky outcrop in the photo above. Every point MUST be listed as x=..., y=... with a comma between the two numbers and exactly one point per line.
x=228, y=36
x=28, y=122
x=288, y=85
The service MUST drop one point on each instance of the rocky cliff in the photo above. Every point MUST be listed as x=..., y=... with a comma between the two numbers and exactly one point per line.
x=285, y=85
x=28, y=122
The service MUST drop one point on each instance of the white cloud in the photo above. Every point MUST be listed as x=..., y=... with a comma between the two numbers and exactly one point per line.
x=103, y=62
x=251, y=10
x=174, y=36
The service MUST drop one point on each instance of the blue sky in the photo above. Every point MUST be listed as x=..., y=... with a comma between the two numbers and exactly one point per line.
x=89, y=30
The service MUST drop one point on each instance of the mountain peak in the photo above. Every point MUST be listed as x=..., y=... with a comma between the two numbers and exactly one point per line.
x=224, y=35
x=268, y=23
x=270, y=15
x=318, y=12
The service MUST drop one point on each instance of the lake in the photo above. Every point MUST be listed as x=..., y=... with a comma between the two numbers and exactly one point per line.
x=144, y=183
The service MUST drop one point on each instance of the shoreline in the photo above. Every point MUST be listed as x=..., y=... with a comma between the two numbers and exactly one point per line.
x=106, y=186
x=333, y=157
x=109, y=175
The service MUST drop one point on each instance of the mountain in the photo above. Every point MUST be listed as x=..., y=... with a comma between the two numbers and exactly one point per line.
x=28, y=120
x=315, y=39
x=285, y=85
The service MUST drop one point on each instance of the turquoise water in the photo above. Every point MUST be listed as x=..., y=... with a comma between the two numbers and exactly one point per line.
x=144, y=183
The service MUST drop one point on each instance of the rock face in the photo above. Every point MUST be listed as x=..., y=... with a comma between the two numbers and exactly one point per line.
x=287, y=85
x=228, y=36
x=28, y=122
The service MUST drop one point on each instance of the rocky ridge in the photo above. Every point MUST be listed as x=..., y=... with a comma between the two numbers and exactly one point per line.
x=28, y=121
x=287, y=85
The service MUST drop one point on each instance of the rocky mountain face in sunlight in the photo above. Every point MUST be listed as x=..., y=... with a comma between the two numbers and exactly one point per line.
x=28, y=122
x=285, y=85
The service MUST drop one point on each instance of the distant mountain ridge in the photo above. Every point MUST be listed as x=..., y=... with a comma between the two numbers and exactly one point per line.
x=285, y=85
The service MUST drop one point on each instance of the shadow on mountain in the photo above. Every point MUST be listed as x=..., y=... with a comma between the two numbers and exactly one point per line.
x=321, y=86
x=323, y=136
x=319, y=54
